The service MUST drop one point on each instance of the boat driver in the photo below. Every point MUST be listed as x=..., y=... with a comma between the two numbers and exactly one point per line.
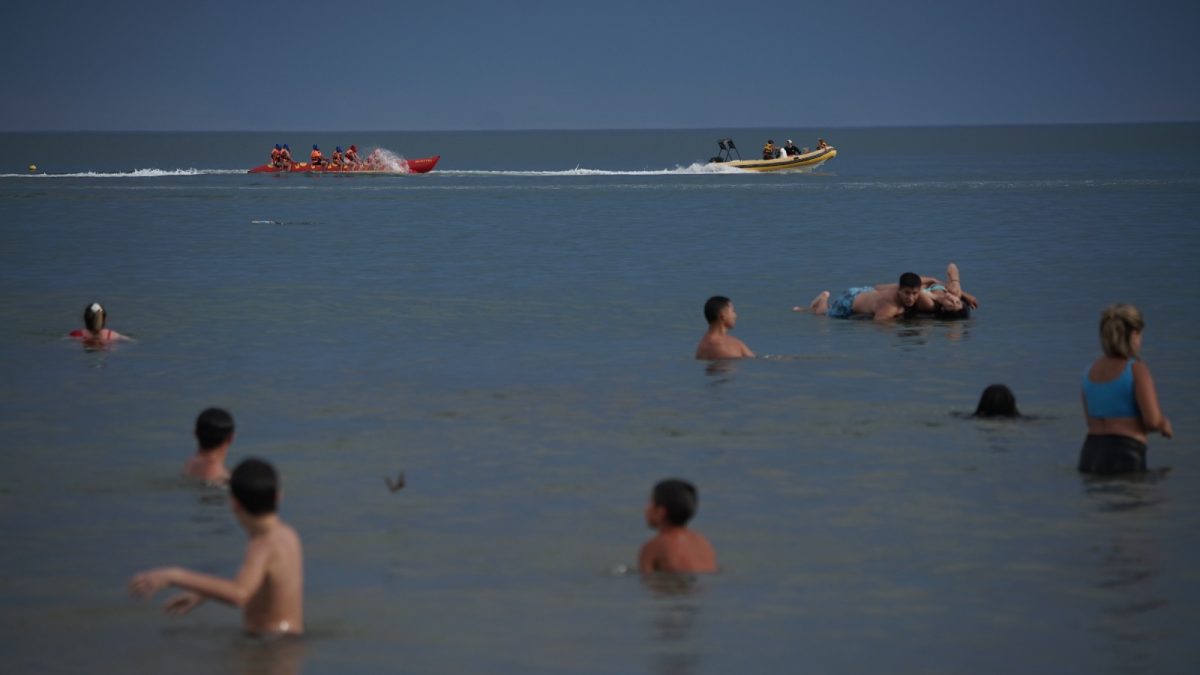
x=790, y=149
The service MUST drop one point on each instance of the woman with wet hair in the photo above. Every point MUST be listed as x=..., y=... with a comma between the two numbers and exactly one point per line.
x=1119, y=398
x=94, y=332
x=997, y=401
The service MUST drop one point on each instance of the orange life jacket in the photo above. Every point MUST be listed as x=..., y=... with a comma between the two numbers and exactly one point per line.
x=315, y=157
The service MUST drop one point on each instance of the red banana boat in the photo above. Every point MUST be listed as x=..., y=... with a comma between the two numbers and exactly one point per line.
x=421, y=165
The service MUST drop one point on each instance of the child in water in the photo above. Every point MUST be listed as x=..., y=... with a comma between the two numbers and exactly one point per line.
x=269, y=587
x=675, y=548
x=214, y=435
x=997, y=401
x=94, y=332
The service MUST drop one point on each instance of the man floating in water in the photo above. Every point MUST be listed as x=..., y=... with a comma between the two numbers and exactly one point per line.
x=882, y=302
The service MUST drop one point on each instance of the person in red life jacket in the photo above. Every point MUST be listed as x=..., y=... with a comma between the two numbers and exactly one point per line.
x=276, y=152
x=94, y=334
x=315, y=157
x=352, y=156
x=336, y=161
x=285, y=156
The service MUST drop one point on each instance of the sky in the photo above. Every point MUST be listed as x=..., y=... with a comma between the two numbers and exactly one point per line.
x=611, y=64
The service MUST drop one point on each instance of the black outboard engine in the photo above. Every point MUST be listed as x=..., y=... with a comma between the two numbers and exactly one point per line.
x=727, y=150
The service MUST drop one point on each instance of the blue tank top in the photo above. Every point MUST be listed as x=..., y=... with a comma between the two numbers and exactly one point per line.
x=1111, y=399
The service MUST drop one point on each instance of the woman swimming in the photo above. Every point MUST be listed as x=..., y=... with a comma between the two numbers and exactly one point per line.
x=1119, y=398
x=94, y=332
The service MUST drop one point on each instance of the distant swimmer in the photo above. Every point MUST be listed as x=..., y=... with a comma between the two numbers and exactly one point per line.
x=675, y=549
x=269, y=586
x=285, y=156
x=94, y=333
x=352, y=156
x=214, y=435
x=315, y=157
x=717, y=343
x=1120, y=401
x=276, y=155
x=997, y=401
x=769, y=150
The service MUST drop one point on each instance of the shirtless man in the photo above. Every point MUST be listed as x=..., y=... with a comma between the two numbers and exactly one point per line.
x=676, y=548
x=214, y=435
x=882, y=302
x=269, y=587
x=717, y=343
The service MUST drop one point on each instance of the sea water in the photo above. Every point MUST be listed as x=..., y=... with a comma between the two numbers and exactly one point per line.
x=514, y=332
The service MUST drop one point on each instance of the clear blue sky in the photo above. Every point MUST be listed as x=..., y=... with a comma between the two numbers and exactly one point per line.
x=534, y=64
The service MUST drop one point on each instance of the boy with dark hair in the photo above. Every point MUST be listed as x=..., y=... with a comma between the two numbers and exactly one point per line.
x=675, y=548
x=269, y=587
x=717, y=343
x=214, y=435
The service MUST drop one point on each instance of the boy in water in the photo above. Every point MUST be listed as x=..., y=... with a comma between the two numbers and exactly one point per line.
x=717, y=343
x=269, y=587
x=675, y=548
x=214, y=435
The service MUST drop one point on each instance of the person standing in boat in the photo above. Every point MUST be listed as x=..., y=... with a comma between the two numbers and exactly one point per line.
x=769, y=150
x=315, y=157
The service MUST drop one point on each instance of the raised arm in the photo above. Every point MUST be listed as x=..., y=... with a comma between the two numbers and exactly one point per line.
x=1147, y=399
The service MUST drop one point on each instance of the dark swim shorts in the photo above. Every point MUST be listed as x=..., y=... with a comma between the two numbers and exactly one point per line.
x=1109, y=454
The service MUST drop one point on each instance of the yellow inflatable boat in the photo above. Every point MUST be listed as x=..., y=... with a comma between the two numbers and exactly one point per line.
x=807, y=160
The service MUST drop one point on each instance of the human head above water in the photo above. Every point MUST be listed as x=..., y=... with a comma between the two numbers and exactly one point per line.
x=997, y=401
x=94, y=317
x=255, y=486
x=678, y=499
x=714, y=306
x=1118, y=323
x=214, y=428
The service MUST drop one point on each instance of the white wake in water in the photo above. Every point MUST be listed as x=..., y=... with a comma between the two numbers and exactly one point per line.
x=691, y=170
x=136, y=173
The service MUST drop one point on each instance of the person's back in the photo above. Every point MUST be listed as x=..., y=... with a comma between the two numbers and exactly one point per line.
x=94, y=332
x=214, y=434
x=717, y=343
x=269, y=585
x=675, y=549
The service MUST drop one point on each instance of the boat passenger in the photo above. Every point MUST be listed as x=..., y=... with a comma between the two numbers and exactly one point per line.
x=352, y=155
x=285, y=156
x=769, y=150
x=821, y=144
x=790, y=149
x=315, y=157
x=336, y=160
x=1119, y=398
x=275, y=154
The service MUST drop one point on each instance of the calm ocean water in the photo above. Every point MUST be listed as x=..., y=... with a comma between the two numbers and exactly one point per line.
x=515, y=330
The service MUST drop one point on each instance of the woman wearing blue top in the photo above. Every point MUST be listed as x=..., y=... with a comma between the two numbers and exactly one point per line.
x=1119, y=398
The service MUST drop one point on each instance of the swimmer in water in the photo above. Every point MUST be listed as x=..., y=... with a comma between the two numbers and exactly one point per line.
x=717, y=343
x=214, y=435
x=1120, y=401
x=94, y=332
x=269, y=587
x=675, y=548
x=997, y=401
x=913, y=294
